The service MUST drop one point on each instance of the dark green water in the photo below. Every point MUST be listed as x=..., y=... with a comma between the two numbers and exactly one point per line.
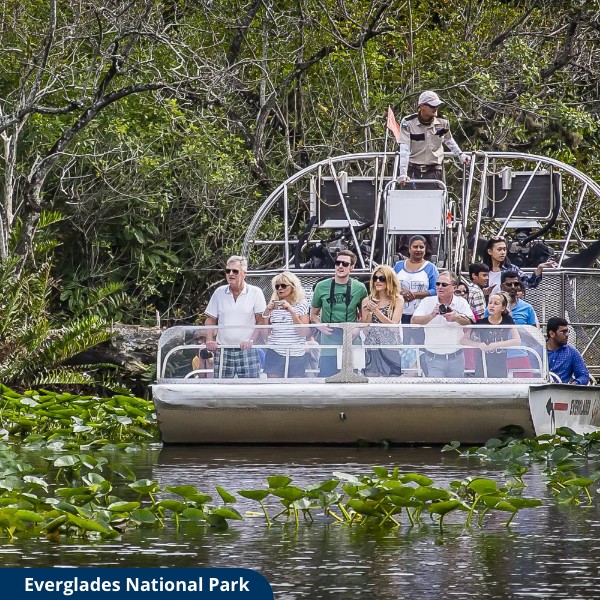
x=549, y=552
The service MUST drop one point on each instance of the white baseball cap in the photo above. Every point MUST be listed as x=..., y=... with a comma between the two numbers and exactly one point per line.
x=430, y=98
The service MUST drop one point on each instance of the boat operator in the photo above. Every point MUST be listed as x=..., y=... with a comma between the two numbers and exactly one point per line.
x=420, y=137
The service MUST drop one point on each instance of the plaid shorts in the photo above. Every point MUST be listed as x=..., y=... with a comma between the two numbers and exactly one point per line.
x=237, y=362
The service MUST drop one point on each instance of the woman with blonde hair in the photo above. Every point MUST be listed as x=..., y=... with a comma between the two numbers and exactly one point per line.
x=383, y=305
x=288, y=306
x=493, y=340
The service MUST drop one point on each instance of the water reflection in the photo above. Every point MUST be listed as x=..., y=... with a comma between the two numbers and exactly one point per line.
x=548, y=552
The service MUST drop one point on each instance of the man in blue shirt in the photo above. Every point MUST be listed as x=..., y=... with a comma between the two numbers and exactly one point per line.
x=564, y=360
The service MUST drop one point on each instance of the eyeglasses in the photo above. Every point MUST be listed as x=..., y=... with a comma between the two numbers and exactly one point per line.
x=459, y=292
x=342, y=263
x=234, y=271
x=442, y=283
x=512, y=284
x=379, y=278
x=281, y=286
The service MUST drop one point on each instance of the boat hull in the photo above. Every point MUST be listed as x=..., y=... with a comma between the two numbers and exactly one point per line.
x=327, y=413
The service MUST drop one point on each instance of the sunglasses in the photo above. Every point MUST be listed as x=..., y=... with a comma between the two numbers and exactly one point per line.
x=379, y=278
x=512, y=284
x=281, y=286
x=342, y=263
x=459, y=292
x=431, y=106
x=234, y=271
x=563, y=331
x=442, y=283
x=497, y=238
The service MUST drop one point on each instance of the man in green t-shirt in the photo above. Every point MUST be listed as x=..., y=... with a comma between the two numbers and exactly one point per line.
x=336, y=300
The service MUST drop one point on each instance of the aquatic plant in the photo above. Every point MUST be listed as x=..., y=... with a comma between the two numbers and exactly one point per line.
x=383, y=498
x=563, y=455
x=77, y=420
x=78, y=495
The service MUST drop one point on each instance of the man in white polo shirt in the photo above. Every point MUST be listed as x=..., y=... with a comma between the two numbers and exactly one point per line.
x=237, y=306
x=445, y=314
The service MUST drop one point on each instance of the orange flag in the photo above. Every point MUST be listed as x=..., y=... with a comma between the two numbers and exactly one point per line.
x=392, y=124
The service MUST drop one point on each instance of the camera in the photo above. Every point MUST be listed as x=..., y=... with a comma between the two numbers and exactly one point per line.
x=444, y=309
x=206, y=354
x=278, y=304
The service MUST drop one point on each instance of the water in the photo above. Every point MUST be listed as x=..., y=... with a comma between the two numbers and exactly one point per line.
x=549, y=552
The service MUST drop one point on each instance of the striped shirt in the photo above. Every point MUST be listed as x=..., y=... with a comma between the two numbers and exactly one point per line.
x=288, y=336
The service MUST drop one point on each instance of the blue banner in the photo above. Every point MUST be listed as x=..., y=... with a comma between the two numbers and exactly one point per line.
x=93, y=584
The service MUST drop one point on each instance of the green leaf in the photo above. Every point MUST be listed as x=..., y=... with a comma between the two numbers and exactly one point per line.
x=123, y=506
x=430, y=494
x=443, y=508
x=225, y=495
x=145, y=486
x=195, y=515
x=143, y=515
x=258, y=495
x=481, y=485
x=29, y=515
x=362, y=507
x=346, y=477
x=381, y=472
x=89, y=524
x=579, y=481
x=227, y=513
x=66, y=461
x=56, y=523
x=185, y=491
x=451, y=446
x=416, y=478
x=289, y=493
x=278, y=481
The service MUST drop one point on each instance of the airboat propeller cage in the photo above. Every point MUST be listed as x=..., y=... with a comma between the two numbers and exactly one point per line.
x=349, y=201
x=499, y=192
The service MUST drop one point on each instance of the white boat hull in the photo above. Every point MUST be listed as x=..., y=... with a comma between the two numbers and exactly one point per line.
x=347, y=413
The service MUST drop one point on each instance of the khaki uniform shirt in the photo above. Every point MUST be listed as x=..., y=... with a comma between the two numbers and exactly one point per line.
x=425, y=141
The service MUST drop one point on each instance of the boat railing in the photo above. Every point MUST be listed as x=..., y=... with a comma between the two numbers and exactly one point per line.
x=353, y=353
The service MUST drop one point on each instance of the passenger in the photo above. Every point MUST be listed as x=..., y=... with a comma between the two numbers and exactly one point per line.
x=239, y=306
x=462, y=290
x=204, y=360
x=287, y=306
x=497, y=261
x=420, y=137
x=417, y=278
x=448, y=313
x=479, y=288
x=493, y=341
x=564, y=360
x=336, y=300
x=523, y=314
x=384, y=305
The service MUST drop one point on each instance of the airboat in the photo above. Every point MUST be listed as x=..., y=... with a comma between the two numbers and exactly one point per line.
x=545, y=209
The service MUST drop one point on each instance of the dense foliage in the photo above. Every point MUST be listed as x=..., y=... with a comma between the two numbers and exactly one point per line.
x=155, y=129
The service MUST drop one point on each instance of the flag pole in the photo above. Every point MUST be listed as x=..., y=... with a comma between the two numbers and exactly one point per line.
x=379, y=195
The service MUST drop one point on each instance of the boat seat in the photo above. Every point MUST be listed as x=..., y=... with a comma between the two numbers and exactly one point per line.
x=415, y=211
